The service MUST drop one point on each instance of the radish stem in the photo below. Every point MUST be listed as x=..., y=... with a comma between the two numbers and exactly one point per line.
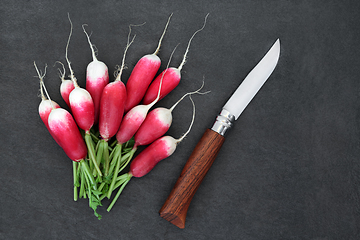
x=129, y=157
x=106, y=157
x=91, y=150
x=101, y=186
x=124, y=183
x=93, y=193
x=100, y=150
x=94, y=137
x=86, y=169
x=76, y=180
x=82, y=184
x=115, y=154
x=117, y=167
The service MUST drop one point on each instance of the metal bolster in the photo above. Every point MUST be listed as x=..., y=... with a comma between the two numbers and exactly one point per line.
x=223, y=122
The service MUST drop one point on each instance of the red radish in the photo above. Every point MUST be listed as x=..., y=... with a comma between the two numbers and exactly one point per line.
x=66, y=86
x=63, y=126
x=112, y=105
x=157, y=123
x=142, y=75
x=171, y=78
x=111, y=109
x=97, y=77
x=149, y=157
x=46, y=105
x=82, y=107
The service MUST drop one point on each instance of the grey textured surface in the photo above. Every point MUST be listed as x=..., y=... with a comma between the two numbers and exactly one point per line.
x=289, y=169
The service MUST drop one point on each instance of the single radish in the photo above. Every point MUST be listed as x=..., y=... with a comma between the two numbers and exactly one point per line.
x=63, y=126
x=46, y=105
x=66, y=86
x=171, y=78
x=81, y=103
x=157, y=123
x=142, y=75
x=149, y=157
x=82, y=107
x=97, y=77
x=112, y=105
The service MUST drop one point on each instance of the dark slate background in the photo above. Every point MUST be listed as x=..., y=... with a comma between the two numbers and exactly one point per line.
x=289, y=169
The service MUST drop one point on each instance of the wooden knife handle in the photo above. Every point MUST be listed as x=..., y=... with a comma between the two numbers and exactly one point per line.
x=175, y=208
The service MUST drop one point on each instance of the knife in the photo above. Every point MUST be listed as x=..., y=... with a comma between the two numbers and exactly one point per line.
x=176, y=205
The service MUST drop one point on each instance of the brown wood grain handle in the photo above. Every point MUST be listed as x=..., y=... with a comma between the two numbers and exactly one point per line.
x=175, y=207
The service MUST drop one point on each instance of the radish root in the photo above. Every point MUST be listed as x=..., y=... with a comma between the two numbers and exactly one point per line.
x=187, y=49
x=61, y=74
x=191, y=124
x=189, y=93
x=120, y=70
x=42, y=85
x=94, y=50
x=41, y=77
x=72, y=76
x=162, y=36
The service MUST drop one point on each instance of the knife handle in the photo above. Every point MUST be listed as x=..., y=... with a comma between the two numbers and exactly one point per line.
x=175, y=207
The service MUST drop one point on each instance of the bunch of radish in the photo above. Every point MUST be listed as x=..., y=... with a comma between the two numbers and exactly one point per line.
x=108, y=121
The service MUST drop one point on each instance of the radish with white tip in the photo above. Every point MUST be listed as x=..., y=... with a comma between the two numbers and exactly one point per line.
x=158, y=122
x=97, y=77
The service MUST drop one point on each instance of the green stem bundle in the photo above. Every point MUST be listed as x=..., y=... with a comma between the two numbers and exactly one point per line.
x=97, y=177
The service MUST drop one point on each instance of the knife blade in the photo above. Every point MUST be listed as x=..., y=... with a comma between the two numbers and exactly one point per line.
x=176, y=205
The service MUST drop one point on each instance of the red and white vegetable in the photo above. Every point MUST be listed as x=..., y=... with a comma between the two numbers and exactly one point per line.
x=97, y=77
x=157, y=123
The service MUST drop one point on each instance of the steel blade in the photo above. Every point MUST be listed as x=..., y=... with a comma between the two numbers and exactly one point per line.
x=253, y=81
